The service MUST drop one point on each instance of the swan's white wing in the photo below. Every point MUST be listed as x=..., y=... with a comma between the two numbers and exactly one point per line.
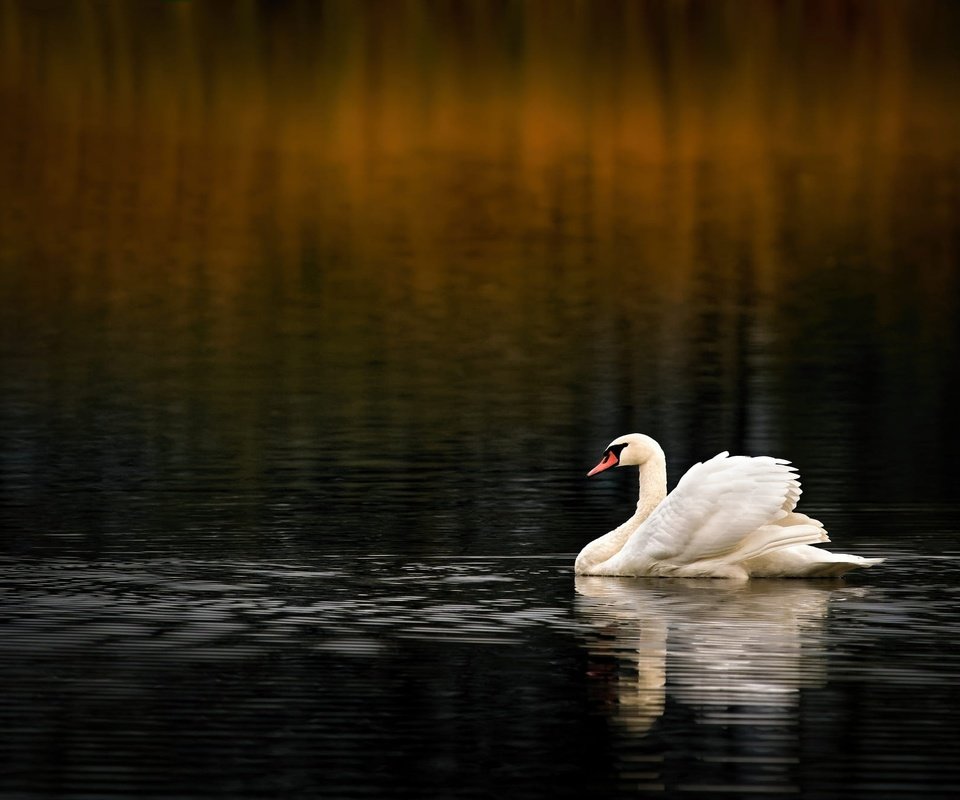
x=716, y=505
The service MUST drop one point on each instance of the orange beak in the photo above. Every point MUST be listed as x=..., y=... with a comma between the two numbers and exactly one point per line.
x=608, y=460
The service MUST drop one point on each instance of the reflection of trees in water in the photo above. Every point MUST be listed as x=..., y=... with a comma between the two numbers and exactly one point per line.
x=189, y=128
x=477, y=216
x=728, y=659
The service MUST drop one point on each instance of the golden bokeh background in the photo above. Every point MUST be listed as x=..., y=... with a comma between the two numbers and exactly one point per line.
x=246, y=224
x=181, y=126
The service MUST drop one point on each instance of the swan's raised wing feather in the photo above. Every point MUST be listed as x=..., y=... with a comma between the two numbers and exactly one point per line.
x=716, y=505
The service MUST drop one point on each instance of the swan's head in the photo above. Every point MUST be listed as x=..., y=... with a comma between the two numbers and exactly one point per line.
x=624, y=451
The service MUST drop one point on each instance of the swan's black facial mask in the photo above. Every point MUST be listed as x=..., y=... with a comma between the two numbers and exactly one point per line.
x=610, y=459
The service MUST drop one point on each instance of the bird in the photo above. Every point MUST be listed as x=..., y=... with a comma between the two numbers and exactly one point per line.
x=728, y=517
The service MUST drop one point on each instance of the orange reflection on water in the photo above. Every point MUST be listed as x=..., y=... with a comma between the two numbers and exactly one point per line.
x=383, y=204
x=175, y=132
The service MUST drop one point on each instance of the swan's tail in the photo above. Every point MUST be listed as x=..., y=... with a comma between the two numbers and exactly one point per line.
x=833, y=565
x=788, y=531
x=784, y=549
x=805, y=561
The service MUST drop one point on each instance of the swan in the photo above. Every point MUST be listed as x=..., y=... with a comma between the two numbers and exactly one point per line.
x=729, y=517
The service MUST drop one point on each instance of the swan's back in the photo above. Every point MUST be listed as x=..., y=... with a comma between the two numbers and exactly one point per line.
x=723, y=512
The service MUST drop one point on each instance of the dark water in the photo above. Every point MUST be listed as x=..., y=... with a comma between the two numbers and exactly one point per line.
x=315, y=315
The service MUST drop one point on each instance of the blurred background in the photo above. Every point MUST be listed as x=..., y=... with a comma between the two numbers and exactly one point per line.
x=390, y=275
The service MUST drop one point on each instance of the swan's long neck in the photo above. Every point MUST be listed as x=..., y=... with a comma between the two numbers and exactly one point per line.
x=653, y=485
x=653, y=488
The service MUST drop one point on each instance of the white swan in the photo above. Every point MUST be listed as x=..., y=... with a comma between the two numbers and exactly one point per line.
x=729, y=517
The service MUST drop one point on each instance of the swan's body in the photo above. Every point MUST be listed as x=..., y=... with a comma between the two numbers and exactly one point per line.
x=729, y=517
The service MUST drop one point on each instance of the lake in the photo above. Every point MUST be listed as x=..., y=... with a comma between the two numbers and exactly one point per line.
x=314, y=317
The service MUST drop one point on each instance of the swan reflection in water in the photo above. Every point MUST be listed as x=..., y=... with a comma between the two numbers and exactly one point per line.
x=732, y=651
